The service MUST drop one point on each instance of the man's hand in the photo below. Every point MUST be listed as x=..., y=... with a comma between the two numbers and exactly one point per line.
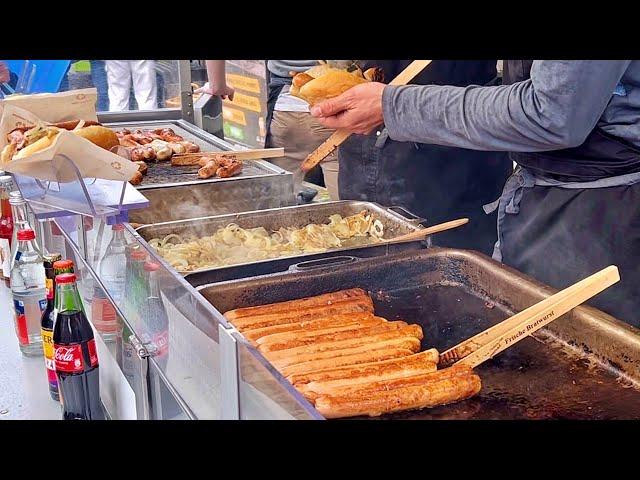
x=358, y=110
x=5, y=76
x=223, y=91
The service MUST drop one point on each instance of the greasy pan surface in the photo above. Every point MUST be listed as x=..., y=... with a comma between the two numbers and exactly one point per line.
x=567, y=371
x=162, y=173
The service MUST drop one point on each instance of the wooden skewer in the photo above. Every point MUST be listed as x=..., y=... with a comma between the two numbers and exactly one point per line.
x=339, y=136
x=492, y=341
x=423, y=232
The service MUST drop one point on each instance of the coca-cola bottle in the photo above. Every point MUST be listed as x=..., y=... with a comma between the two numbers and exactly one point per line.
x=46, y=324
x=76, y=358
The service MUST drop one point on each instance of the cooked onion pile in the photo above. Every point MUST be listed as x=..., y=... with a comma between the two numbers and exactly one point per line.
x=232, y=244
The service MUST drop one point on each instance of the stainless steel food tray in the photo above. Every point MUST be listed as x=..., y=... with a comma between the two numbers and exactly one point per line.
x=396, y=221
x=585, y=365
x=175, y=193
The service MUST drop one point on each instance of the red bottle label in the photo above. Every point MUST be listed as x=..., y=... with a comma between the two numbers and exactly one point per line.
x=68, y=358
x=103, y=315
x=161, y=341
x=93, y=354
x=21, y=323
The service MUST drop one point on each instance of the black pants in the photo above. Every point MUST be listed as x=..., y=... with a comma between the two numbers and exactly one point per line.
x=561, y=236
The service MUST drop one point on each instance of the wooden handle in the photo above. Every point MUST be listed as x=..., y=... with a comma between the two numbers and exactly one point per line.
x=339, y=136
x=523, y=324
x=423, y=232
x=324, y=150
x=238, y=154
x=413, y=69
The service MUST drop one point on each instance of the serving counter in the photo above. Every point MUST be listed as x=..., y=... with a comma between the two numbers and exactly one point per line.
x=197, y=366
x=183, y=360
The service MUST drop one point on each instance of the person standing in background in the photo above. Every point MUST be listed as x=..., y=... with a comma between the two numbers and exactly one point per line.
x=290, y=125
x=99, y=80
x=5, y=75
x=217, y=81
x=288, y=122
x=121, y=74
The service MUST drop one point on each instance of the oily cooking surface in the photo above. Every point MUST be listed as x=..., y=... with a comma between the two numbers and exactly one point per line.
x=162, y=172
x=535, y=379
x=448, y=292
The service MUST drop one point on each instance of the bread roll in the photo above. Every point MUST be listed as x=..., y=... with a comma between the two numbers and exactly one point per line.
x=102, y=136
x=38, y=145
x=332, y=83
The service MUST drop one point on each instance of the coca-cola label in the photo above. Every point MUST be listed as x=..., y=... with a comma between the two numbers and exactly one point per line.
x=68, y=358
x=93, y=354
x=21, y=322
x=103, y=315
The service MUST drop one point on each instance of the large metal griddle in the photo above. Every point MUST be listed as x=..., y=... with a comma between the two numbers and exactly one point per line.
x=585, y=365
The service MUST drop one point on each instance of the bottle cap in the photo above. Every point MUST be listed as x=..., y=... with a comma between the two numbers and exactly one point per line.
x=26, y=234
x=151, y=266
x=65, y=278
x=52, y=258
x=118, y=227
x=15, y=198
x=63, y=264
x=139, y=255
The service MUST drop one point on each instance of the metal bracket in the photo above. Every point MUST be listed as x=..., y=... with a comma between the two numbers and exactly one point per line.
x=186, y=97
x=143, y=405
x=229, y=375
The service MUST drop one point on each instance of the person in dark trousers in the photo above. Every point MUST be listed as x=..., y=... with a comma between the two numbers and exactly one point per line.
x=433, y=182
x=572, y=206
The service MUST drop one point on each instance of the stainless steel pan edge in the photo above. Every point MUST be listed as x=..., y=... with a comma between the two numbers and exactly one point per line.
x=399, y=224
x=614, y=343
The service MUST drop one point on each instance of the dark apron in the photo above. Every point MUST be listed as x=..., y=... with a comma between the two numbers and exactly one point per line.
x=565, y=214
x=434, y=182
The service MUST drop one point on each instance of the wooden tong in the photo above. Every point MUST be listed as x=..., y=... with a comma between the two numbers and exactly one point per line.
x=485, y=345
x=339, y=136
x=193, y=158
x=423, y=232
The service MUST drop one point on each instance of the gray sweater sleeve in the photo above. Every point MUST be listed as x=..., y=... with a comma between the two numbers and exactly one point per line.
x=556, y=108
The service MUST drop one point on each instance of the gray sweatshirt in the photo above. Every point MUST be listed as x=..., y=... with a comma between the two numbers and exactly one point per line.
x=556, y=108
